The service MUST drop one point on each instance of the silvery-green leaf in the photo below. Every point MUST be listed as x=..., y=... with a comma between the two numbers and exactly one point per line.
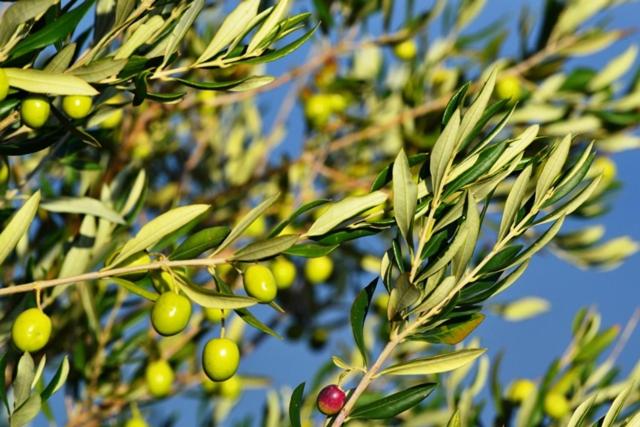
x=472, y=221
x=617, y=405
x=180, y=30
x=99, y=70
x=27, y=411
x=540, y=243
x=435, y=364
x=577, y=126
x=452, y=249
x=233, y=25
x=58, y=379
x=82, y=205
x=211, y=299
x=24, y=379
x=251, y=83
x=537, y=113
x=615, y=69
x=341, y=211
x=19, y=13
x=39, y=81
x=552, y=168
x=444, y=151
x=578, y=418
x=265, y=249
x=516, y=147
x=153, y=231
x=18, y=226
x=523, y=308
x=246, y=221
x=572, y=204
x=440, y=294
x=272, y=20
x=514, y=202
x=141, y=35
x=475, y=111
x=61, y=60
x=405, y=193
x=576, y=13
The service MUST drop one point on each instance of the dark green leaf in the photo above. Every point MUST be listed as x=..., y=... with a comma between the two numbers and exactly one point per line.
x=385, y=175
x=3, y=390
x=455, y=102
x=491, y=111
x=57, y=381
x=266, y=249
x=502, y=259
x=359, y=310
x=486, y=159
x=310, y=250
x=200, y=242
x=393, y=404
x=279, y=53
x=295, y=404
x=339, y=236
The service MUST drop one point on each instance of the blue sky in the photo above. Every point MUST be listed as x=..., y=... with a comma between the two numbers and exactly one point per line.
x=531, y=344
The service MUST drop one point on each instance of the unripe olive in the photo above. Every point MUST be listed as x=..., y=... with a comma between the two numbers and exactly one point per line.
x=215, y=315
x=405, y=50
x=319, y=338
x=136, y=422
x=141, y=258
x=34, y=111
x=556, y=405
x=159, y=377
x=338, y=102
x=381, y=303
x=318, y=270
x=230, y=388
x=260, y=284
x=331, y=399
x=318, y=109
x=606, y=168
x=220, y=359
x=520, y=390
x=284, y=272
x=509, y=87
x=257, y=227
x=77, y=106
x=4, y=84
x=170, y=313
x=31, y=330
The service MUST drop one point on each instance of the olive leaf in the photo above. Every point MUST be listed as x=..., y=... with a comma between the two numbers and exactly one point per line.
x=434, y=365
x=405, y=193
x=18, y=226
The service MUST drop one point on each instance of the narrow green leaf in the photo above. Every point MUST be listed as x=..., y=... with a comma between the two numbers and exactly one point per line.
x=444, y=151
x=24, y=380
x=359, y=310
x=514, y=202
x=180, y=30
x=618, y=404
x=3, y=385
x=343, y=210
x=271, y=22
x=475, y=111
x=310, y=250
x=579, y=417
x=140, y=36
x=540, y=243
x=552, y=168
x=572, y=204
x=515, y=148
x=385, y=175
x=455, y=420
x=27, y=411
x=152, y=232
x=283, y=51
x=19, y=13
x=53, y=31
x=297, y=399
x=440, y=294
x=246, y=221
x=472, y=221
x=574, y=177
x=39, y=81
x=57, y=381
x=251, y=83
x=82, y=205
x=457, y=243
x=302, y=209
x=133, y=288
x=212, y=299
x=18, y=226
x=454, y=103
x=615, y=69
x=61, y=60
x=405, y=194
x=404, y=295
x=435, y=364
x=454, y=333
x=394, y=404
x=200, y=242
x=266, y=249
x=99, y=70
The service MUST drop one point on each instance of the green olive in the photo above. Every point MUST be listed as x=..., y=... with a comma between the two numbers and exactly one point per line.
x=77, y=106
x=170, y=313
x=284, y=272
x=31, y=330
x=230, y=388
x=405, y=50
x=260, y=283
x=220, y=359
x=34, y=111
x=318, y=270
x=215, y=315
x=159, y=377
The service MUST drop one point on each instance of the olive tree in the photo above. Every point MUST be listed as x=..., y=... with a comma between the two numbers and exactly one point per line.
x=148, y=209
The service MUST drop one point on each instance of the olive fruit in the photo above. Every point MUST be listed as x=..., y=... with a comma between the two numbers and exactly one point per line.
x=556, y=405
x=141, y=258
x=520, y=390
x=136, y=422
x=76, y=106
x=230, y=388
x=318, y=108
x=34, y=111
x=220, y=359
x=319, y=338
x=509, y=87
x=4, y=84
x=318, y=270
x=331, y=400
x=215, y=315
x=159, y=376
x=31, y=330
x=170, y=313
x=260, y=283
x=284, y=272
x=405, y=50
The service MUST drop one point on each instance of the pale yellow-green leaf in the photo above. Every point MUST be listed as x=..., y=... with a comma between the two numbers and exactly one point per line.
x=457, y=243
x=576, y=13
x=523, y=308
x=472, y=222
x=578, y=418
x=441, y=293
x=592, y=42
x=99, y=70
x=211, y=299
x=152, y=232
x=614, y=69
x=38, y=81
x=444, y=151
x=475, y=111
x=617, y=405
x=252, y=82
x=140, y=36
x=341, y=211
x=552, y=168
x=434, y=365
x=537, y=113
x=618, y=142
x=246, y=221
x=574, y=203
x=582, y=237
x=452, y=214
x=469, y=10
x=82, y=205
x=232, y=26
x=577, y=126
x=180, y=30
x=405, y=192
x=514, y=201
x=265, y=249
x=18, y=226
x=610, y=252
x=270, y=23
x=61, y=60
x=514, y=148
